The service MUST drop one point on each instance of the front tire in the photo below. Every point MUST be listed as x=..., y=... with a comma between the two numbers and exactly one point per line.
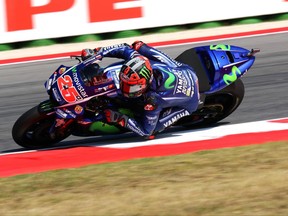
x=31, y=130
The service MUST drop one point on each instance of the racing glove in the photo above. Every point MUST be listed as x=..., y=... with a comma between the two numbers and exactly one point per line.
x=116, y=117
x=87, y=53
x=125, y=121
x=137, y=45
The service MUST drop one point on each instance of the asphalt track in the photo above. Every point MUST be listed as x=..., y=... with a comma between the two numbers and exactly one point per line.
x=265, y=98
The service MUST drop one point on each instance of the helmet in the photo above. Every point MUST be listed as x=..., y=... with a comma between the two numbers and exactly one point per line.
x=91, y=74
x=135, y=76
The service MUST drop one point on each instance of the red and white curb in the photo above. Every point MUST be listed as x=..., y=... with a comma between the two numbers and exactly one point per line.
x=227, y=136
x=210, y=133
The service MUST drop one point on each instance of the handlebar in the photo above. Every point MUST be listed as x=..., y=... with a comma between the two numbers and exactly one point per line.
x=98, y=57
x=77, y=57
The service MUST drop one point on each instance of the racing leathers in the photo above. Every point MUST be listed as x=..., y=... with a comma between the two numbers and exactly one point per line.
x=173, y=93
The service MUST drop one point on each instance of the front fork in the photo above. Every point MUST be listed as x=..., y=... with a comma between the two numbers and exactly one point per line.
x=60, y=127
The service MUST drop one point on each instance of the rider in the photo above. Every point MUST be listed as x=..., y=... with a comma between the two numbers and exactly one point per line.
x=158, y=88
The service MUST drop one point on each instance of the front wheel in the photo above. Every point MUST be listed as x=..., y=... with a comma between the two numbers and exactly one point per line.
x=31, y=130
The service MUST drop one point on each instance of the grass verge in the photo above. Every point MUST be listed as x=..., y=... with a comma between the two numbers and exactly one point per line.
x=251, y=180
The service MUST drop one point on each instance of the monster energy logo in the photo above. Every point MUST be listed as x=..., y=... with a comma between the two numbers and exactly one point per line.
x=46, y=106
x=145, y=72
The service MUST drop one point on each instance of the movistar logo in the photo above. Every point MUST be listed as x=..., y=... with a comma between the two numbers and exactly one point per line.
x=221, y=47
x=229, y=78
x=145, y=72
x=170, y=80
x=74, y=70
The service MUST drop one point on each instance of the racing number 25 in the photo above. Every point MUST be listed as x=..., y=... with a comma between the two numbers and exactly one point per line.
x=68, y=91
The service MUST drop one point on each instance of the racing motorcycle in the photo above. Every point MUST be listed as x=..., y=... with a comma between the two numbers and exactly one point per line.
x=218, y=67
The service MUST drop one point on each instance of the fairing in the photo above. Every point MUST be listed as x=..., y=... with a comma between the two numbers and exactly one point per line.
x=224, y=64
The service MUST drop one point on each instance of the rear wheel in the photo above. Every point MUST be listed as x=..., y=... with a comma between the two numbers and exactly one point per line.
x=31, y=130
x=217, y=106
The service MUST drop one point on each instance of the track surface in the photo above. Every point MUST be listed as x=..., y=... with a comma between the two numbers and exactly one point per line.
x=266, y=86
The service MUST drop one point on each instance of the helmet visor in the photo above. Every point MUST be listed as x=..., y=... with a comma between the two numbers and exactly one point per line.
x=132, y=90
x=134, y=78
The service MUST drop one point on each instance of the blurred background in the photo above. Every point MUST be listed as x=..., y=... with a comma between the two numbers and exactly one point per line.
x=42, y=27
x=32, y=23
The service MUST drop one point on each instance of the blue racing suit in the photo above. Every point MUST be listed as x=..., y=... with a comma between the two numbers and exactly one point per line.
x=173, y=93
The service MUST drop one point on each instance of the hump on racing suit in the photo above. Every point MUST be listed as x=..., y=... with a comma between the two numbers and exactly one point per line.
x=174, y=92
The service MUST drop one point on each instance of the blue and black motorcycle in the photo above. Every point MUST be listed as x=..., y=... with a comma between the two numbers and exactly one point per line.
x=77, y=91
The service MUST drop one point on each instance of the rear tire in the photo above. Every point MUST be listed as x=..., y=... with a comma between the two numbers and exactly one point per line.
x=31, y=130
x=221, y=104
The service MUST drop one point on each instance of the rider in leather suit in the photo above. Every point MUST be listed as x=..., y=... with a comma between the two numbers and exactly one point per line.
x=156, y=87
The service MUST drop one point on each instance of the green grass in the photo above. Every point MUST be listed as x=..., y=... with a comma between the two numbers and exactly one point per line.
x=251, y=180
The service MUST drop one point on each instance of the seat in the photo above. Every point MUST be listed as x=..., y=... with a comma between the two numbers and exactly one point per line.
x=193, y=59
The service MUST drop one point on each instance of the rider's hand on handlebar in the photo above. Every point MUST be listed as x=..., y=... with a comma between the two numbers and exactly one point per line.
x=86, y=53
x=115, y=117
x=97, y=49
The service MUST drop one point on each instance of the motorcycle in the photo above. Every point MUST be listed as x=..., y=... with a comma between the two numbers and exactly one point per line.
x=218, y=67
